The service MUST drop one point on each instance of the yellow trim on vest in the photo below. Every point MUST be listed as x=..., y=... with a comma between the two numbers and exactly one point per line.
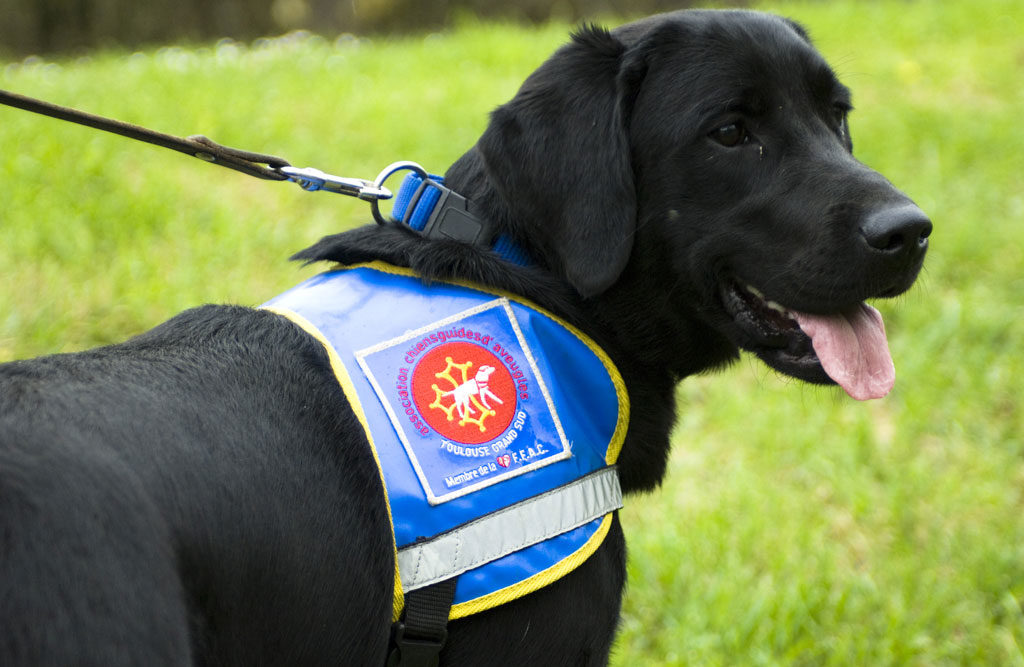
x=619, y=435
x=537, y=581
x=342, y=376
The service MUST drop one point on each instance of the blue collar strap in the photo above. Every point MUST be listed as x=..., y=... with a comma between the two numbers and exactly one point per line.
x=425, y=205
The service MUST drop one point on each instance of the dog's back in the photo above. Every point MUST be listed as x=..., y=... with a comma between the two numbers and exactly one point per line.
x=157, y=505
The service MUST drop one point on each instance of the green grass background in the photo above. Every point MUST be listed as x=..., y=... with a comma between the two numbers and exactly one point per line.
x=795, y=526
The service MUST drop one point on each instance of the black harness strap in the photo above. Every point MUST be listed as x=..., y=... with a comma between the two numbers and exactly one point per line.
x=418, y=637
x=197, y=145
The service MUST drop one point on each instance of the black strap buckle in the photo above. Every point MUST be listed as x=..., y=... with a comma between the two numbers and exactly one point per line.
x=452, y=216
x=418, y=637
x=415, y=651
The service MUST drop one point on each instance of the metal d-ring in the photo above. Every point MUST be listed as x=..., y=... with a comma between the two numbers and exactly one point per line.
x=384, y=175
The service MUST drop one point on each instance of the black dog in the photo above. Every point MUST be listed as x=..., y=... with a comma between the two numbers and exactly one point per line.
x=202, y=494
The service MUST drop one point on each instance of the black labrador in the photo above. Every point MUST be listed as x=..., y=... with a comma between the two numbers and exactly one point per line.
x=200, y=494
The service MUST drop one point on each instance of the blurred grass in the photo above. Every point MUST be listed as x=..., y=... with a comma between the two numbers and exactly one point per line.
x=795, y=527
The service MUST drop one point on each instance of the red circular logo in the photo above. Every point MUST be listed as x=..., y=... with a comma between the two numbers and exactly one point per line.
x=464, y=393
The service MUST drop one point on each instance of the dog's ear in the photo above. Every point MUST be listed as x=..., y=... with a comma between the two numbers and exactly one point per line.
x=559, y=157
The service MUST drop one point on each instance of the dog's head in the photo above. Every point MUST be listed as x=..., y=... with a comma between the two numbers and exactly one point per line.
x=706, y=156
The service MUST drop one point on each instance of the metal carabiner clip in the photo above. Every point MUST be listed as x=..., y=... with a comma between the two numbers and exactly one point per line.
x=311, y=180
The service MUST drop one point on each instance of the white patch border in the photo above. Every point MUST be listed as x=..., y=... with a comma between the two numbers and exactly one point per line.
x=506, y=305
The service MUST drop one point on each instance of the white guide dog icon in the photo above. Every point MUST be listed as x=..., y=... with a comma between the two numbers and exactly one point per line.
x=470, y=388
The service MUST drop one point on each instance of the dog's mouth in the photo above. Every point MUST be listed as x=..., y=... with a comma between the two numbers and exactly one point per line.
x=847, y=347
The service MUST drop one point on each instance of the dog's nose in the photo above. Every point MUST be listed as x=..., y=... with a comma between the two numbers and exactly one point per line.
x=897, y=229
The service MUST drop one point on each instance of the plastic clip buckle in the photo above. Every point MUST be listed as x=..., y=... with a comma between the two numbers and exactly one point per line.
x=451, y=218
x=409, y=652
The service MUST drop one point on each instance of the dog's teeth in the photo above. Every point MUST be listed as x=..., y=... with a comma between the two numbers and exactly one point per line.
x=771, y=305
x=756, y=292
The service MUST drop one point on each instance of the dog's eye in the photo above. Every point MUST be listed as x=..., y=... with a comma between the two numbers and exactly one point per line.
x=731, y=135
x=841, y=114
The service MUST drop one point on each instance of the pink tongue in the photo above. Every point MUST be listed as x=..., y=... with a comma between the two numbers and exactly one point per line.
x=853, y=350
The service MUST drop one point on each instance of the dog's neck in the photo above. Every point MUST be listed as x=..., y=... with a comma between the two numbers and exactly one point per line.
x=653, y=340
x=616, y=319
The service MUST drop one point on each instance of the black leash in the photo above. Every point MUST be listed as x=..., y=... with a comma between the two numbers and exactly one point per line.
x=197, y=146
x=259, y=165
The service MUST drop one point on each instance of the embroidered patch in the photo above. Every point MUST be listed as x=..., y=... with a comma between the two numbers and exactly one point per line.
x=467, y=400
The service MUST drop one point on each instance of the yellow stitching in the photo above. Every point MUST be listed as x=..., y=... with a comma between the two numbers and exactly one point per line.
x=343, y=378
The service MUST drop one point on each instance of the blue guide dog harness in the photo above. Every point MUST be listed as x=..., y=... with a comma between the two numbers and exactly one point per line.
x=496, y=426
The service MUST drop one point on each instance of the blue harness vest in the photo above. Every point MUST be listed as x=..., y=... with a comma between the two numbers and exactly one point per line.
x=496, y=426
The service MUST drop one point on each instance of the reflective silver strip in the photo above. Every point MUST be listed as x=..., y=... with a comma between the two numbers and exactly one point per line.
x=508, y=530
